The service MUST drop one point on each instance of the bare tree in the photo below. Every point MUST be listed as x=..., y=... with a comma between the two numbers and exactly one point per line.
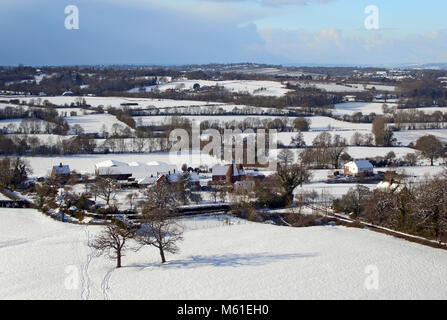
x=412, y=159
x=44, y=192
x=383, y=135
x=113, y=241
x=357, y=139
x=430, y=147
x=354, y=200
x=379, y=207
x=214, y=192
x=337, y=147
x=77, y=129
x=290, y=177
x=105, y=189
x=286, y=157
x=161, y=196
x=131, y=198
x=160, y=231
x=431, y=202
x=298, y=140
x=223, y=192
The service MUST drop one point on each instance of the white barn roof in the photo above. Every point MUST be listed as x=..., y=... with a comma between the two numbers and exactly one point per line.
x=111, y=163
x=137, y=170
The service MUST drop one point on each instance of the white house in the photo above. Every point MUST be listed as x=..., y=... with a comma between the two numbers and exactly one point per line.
x=68, y=93
x=350, y=98
x=358, y=168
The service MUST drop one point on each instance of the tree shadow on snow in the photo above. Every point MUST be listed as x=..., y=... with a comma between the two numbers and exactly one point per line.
x=226, y=260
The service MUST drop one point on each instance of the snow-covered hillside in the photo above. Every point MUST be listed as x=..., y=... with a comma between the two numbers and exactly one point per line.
x=261, y=88
x=117, y=102
x=41, y=259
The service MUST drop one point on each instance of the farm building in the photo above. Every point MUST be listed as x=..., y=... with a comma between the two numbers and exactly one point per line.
x=359, y=168
x=172, y=178
x=229, y=173
x=350, y=98
x=138, y=170
x=60, y=173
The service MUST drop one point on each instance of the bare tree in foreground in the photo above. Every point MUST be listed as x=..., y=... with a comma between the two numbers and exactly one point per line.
x=160, y=231
x=113, y=241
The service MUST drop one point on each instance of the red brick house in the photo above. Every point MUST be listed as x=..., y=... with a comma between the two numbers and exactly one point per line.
x=229, y=173
x=60, y=173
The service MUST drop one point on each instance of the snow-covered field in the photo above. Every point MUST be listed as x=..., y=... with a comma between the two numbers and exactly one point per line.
x=44, y=259
x=41, y=166
x=117, y=101
x=366, y=108
x=92, y=123
x=349, y=108
x=351, y=87
x=326, y=123
x=222, y=119
x=261, y=88
x=66, y=112
x=407, y=136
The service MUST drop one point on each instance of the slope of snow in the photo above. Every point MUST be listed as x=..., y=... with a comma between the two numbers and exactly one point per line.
x=262, y=88
x=326, y=123
x=116, y=101
x=366, y=108
x=350, y=87
x=44, y=259
x=408, y=136
x=222, y=119
x=92, y=123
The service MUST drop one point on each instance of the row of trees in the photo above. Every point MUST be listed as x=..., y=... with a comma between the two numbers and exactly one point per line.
x=326, y=151
x=416, y=208
x=35, y=120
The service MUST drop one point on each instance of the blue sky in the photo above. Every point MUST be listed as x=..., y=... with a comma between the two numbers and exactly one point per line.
x=222, y=31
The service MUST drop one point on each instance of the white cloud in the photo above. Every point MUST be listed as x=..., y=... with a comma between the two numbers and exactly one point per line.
x=209, y=10
x=330, y=46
